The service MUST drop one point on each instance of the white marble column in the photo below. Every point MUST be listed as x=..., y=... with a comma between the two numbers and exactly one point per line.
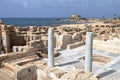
x=50, y=47
x=88, y=52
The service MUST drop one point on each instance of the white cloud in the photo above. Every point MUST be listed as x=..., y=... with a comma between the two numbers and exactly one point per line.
x=25, y=4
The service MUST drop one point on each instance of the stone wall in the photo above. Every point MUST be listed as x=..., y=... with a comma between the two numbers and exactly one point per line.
x=58, y=73
x=64, y=34
x=75, y=45
x=5, y=39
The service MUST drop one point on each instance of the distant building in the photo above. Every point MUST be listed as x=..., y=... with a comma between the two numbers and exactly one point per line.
x=75, y=17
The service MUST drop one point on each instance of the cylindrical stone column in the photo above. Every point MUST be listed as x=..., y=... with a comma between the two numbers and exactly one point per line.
x=50, y=47
x=88, y=52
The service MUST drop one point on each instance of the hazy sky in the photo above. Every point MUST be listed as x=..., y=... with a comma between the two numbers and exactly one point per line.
x=59, y=8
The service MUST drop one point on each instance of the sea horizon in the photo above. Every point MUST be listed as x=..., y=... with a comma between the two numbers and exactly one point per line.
x=35, y=21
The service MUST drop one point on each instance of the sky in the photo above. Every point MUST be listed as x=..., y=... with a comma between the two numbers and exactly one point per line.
x=59, y=8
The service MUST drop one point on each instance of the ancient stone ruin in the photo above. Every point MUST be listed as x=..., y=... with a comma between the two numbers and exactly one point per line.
x=65, y=52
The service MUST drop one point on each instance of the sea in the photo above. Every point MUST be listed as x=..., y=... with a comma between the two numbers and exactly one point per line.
x=22, y=22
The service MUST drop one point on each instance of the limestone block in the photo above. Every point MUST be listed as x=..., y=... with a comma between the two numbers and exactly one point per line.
x=83, y=37
x=44, y=37
x=20, y=48
x=56, y=53
x=76, y=37
x=45, y=43
x=35, y=37
x=41, y=71
x=55, y=72
x=94, y=77
x=27, y=73
x=3, y=27
x=22, y=72
x=6, y=41
x=35, y=43
x=13, y=56
x=83, y=32
x=15, y=48
x=76, y=75
x=38, y=29
x=41, y=75
x=75, y=45
x=63, y=40
x=32, y=29
x=12, y=67
x=102, y=32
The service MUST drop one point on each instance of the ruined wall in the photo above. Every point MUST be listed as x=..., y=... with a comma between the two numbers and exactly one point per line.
x=63, y=40
x=9, y=38
x=64, y=35
x=1, y=47
x=5, y=39
x=37, y=45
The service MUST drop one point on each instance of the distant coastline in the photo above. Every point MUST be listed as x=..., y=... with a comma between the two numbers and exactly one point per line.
x=21, y=22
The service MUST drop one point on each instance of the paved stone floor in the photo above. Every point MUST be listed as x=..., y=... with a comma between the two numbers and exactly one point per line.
x=69, y=59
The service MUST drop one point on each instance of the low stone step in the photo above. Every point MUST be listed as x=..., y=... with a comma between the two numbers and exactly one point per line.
x=24, y=60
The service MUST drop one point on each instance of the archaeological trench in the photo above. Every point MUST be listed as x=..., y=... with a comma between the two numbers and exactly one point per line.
x=65, y=52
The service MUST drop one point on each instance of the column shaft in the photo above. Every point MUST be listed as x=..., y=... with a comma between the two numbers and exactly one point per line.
x=50, y=47
x=88, y=52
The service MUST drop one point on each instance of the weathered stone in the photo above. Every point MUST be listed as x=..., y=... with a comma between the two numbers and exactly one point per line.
x=76, y=37
x=75, y=45
x=76, y=75
x=27, y=73
x=63, y=40
x=55, y=72
x=94, y=77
